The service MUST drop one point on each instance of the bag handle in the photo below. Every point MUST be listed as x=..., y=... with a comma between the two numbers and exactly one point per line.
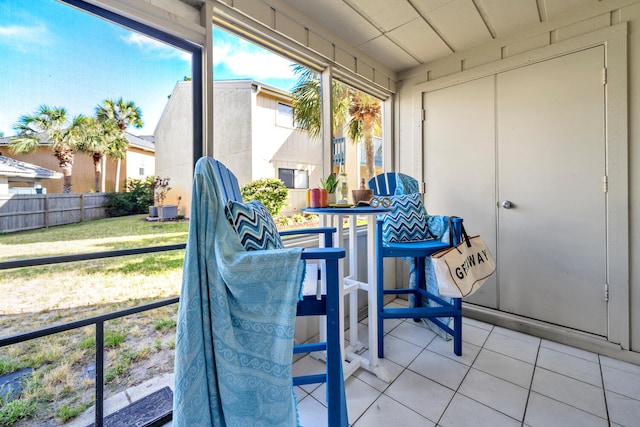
x=465, y=236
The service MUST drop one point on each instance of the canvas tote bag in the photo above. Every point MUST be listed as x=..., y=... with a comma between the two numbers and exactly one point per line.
x=461, y=269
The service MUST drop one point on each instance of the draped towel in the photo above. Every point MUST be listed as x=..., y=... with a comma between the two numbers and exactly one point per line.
x=235, y=322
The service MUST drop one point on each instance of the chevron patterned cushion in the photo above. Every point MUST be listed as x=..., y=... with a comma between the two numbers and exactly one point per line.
x=254, y=225
x=407, y=222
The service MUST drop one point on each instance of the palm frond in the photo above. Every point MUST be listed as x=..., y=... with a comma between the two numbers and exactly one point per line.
x=24, y=144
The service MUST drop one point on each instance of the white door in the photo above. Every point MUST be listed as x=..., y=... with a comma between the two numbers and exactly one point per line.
x=533, y=136
x=551, y=167
x=459, y=162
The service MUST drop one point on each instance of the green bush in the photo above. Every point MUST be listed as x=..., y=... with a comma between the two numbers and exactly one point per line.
x=270, y=191
x=118, y=204
x=136, y=198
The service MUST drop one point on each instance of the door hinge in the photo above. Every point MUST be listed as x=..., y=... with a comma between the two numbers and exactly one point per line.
x=605, y=183
x=606, y=292
x=423, y=115
x=604, y=75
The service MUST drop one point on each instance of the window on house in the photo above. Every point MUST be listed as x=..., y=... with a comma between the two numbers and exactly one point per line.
x=284, y=116
x=141, y=165
x=294, y=178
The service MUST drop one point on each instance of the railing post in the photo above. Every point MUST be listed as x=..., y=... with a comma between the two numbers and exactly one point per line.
x=99, y=373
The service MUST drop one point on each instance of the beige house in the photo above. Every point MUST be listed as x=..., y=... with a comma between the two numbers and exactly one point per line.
x=138, y=164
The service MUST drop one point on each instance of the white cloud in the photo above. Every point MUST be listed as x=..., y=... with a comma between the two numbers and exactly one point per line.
x=12, y=30
x=156, y=47
x=20, y=37
x=246, y=60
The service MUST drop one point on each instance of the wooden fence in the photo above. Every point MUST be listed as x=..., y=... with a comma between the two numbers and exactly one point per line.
x=31, y=211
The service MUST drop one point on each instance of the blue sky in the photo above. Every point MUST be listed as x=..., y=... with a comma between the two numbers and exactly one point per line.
x=53, y=54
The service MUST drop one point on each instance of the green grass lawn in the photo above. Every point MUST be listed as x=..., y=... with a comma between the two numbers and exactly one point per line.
x=92, y=236
x=137, y=347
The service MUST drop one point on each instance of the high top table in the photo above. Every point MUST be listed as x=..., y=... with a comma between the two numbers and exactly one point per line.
x=332, y=217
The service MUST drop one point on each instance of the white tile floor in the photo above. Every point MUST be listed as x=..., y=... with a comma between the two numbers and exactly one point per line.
x=503, y=378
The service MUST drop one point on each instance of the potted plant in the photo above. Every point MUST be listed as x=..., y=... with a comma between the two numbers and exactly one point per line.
x=330, y=184
x=160, y=188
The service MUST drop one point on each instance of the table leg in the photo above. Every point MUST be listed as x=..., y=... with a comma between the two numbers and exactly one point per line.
x=372, y=364
x=372, y=280
x=353, y=273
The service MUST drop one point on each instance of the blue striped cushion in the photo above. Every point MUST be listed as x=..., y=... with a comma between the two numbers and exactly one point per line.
x=407, y=222
x=254, y=225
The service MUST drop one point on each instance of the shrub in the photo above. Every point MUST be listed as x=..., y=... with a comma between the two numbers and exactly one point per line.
x=270, y=191
x=136, y=198
x=141, y=193
x=118, y=204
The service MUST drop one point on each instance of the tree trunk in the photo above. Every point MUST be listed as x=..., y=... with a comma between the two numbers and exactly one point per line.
x=103, y=184
x=367, y=131
x=97, y=167
x=368, y=149
x=66, y=182
x=65, y=156
x=118, y=163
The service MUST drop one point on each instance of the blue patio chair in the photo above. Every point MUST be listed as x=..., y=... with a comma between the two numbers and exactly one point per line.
x=409, y=233
x=237, y=312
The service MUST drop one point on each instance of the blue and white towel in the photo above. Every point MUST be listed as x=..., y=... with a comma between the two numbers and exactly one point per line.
x=235, y=323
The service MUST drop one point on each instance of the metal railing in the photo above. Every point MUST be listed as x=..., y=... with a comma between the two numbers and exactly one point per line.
x=98, y=321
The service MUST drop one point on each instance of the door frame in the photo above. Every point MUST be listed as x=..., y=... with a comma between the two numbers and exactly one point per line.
x=614, y=40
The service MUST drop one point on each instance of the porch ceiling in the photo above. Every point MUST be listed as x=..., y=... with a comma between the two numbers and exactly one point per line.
x=403, y=34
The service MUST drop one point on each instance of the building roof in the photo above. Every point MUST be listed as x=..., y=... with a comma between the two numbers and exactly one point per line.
x=143, y=142
x=14, y=168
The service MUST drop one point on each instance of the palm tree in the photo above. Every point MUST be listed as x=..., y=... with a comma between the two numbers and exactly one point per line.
x=361, y=112
x=366, y=117
x=50, y=121
x=99, y=139
x=123, y=114
x=307, y=102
